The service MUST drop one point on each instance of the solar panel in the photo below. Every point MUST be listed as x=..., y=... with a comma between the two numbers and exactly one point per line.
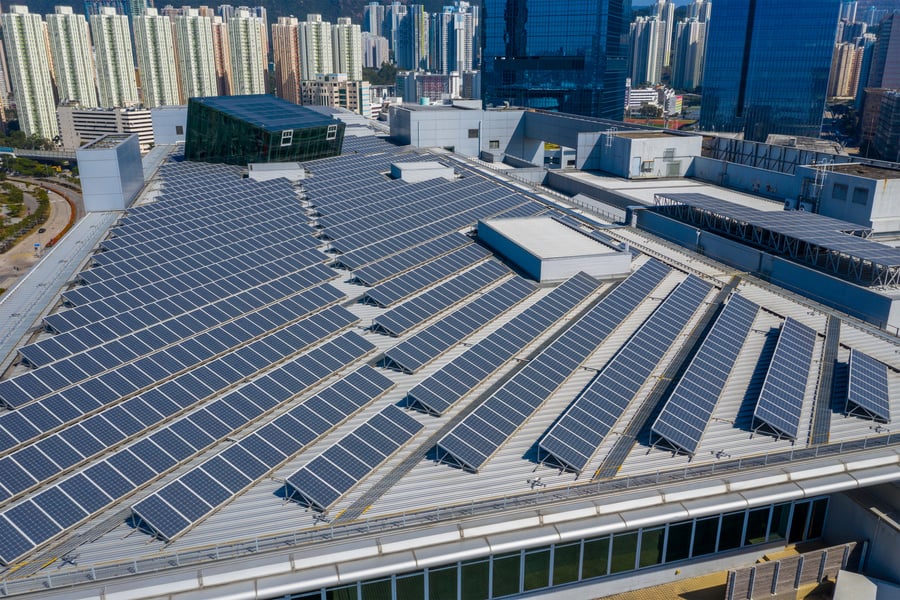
x=481, y=433
x=781, y=398
x=333, y=473
x=455, y=249
x=867, y=389
x=180, y=504
x=684, y=417
x=574, y=438
x=412, y=354
x=444, y=388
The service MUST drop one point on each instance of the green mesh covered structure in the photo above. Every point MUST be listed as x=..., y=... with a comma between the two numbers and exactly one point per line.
x=238, y=130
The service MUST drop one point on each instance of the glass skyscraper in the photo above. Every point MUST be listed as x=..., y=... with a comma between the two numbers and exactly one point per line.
x=569, y=56
x=767, y=65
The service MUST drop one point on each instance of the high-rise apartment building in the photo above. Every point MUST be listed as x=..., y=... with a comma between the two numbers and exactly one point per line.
x=155, y=46
x=73, y=62
x=114, y=60
x=29, y=67
x=565, y=56
x=338, y=91
x=665, y=12
x=315, y=48
x=346, y=43
x=885, y=69
x=394, y=16
x=248, y=62
x=689, y=50
x=373, y=19
x=453, y=43
x=196, y=55
x=411, y=38
x=286, y=55
x=700, y=10
x=647, y=50
x=376, y=50
x=845, y=64
x=767, y=65
x=222, y=55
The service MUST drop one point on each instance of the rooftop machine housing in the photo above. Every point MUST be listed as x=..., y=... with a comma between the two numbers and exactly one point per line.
x=548, y=250
x=238, y=130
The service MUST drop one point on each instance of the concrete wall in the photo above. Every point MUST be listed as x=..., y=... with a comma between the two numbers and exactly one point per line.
x=871, y=202
x=166, y=123
x=769, y=184
x=110, y=177
x=841, y=295
x=848, y=521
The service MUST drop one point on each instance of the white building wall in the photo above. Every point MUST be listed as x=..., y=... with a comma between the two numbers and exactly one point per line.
x=73, y=61
x=169, y=124
x=114, y=59
x=347, y=49
x=316, y=48
x=156, y=59
x=29, y=67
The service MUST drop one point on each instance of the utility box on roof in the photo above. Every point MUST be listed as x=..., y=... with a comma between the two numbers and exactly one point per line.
x=111, y=172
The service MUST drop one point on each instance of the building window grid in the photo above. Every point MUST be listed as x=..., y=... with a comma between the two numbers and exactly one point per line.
x=355, y=591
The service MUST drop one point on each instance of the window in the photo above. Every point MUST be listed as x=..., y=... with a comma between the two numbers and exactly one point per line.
x=651, y=547
x=475, y=578
x=537, y=569
x=442, y=583
x=596, y=558
x=678, y=546
x=565, y=563
x=179, y=130
x=411, y=587
x=287, y=136
x=647, y=166
x=705, y=534
x=473, y=134
x=732, y=531
x=494, y=145
x=860, y=196
x=376, y=590
x=839, y=191
x=624, y=552
x=332, y=132
x=506, y=574
x=757, y=524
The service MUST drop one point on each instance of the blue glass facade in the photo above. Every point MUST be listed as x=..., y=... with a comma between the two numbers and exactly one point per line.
x=767, y=64
x=565, y=56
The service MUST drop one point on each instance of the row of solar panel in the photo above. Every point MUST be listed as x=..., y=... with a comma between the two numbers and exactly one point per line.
x=336, y=471
x=71, y=404
x=412, y=354
x=466, y=253
x=444, y=388
x=180, y=504
x=401, y=319
x=416, y=280
x=478, y=436
x=29, y=524
x=300, y=269
x=867, y=387
x=687, y=411
x=172, y=278
x=174, y=345
x=574, y=438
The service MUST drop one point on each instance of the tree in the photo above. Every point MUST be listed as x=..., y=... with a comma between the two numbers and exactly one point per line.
x=386, y=75
x=651, y=111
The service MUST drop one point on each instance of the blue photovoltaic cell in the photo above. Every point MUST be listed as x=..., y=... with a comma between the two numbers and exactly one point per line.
x=576, y=435
x=478, y=436
x=685, y=415
x=781, y=398
x=867, y=389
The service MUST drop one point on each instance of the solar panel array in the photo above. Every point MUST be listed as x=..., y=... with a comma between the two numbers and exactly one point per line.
x=481, y=433
x=182, y=503
x=110, y=324
x=418, y=309
x=411, y=282
x=382, y=270
x=54, y=508
x=32, y=465
x=576, y=436
x=333, y=473
x=781, y=398
x=684, y=417
x=444, y=388
x=167, y=348
x=423, y=347
x=867, y=388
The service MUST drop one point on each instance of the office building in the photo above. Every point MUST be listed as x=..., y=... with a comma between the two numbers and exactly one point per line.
x=885, y=68
x=411, y=37
x=29, y=69
x=556, y=56
x=647, y=43
x=316, y=48
x=286, y=57
x=73, y=61
x=689, y=52
x=248, y=62
x=338, y=91
x=239, y=130
x=845, y=66
x=157, y=62
x=114, y=60
x=886, y=139
x=79, y=126
x=347, y=49
x=767, y=65
x=196, y=55
x=375, y=50
x=222, y=55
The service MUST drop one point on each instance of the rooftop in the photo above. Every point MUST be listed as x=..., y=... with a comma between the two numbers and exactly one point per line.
x=107, y=141
x=867, y=171
x=546, y=238
x=266, y=111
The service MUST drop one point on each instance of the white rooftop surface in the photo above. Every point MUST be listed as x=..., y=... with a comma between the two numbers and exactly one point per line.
x=546, y=238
